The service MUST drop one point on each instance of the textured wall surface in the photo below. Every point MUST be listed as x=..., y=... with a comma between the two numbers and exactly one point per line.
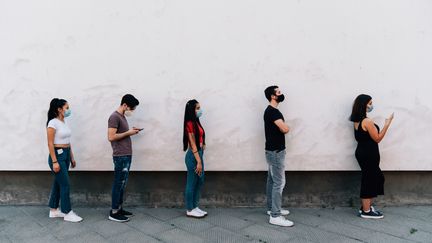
x=223, y=53
x=221, y=189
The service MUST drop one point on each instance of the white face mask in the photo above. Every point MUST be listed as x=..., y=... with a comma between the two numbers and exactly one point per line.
x=128, y=113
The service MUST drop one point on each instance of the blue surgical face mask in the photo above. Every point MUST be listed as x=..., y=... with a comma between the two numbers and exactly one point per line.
x=199, y=113
x=68, y=112
x=370, y=108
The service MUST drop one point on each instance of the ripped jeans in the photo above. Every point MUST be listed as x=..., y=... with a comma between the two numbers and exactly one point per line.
x=121, y=173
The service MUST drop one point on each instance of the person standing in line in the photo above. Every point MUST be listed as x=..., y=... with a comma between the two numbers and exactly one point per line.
x=194, y=145
x=368, y=135
x=60, y=159
x=119, y=135
x=275, y=129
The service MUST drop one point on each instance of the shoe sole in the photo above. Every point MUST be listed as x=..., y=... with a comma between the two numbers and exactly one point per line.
x=282, y=225
x=72, y=221
x=196, y=217
x=374, y=211
x=118, y=220
x=372, y=217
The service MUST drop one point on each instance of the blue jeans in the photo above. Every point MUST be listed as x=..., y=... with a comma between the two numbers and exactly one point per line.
x=121, y=173
x=275, y=181
x=194, y=182
x=60, y=189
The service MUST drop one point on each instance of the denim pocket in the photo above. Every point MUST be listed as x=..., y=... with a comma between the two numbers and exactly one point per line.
x=190, y=161
x=269, y=155
x=61, y=157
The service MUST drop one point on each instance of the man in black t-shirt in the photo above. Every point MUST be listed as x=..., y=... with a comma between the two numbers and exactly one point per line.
x=275, y=130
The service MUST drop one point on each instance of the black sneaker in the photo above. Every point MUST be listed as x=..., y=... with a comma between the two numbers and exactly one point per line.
x=117, y=217
x=371, y=215
x=125, y=213
x=371, y=208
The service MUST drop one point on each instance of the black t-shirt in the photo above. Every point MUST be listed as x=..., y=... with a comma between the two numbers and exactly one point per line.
x=275, y=139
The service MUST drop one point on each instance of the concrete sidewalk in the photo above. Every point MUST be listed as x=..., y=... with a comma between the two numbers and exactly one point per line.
x=401, y=224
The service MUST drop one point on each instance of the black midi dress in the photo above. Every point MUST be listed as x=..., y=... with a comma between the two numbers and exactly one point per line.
x=368, y=157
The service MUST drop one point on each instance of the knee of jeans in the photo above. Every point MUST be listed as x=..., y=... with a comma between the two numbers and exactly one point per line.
x=123, y=182
x=189, y=191
x=64, y=182
x=64, y=188
x=124, y=173
x=280, y=187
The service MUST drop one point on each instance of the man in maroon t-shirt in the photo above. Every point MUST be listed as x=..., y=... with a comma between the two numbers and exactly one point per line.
x=119, y=135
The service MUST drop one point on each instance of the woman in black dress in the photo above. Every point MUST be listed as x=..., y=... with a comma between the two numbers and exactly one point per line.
x=368, y=135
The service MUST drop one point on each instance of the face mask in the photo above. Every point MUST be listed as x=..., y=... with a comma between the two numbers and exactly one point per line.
x=199, y=113
x=370, y=108
x=280, y=98
x=67, y=113
x=128, y=113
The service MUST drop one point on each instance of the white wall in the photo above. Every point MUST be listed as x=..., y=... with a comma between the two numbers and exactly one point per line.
x=224, y=53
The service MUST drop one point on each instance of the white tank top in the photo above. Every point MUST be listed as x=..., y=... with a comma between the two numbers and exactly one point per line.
x=62, y=131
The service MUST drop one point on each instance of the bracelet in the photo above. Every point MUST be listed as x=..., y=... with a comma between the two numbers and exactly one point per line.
x=195, y=152
x=55, y=162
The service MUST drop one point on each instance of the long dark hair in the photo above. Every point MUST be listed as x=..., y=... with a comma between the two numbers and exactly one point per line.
x=359, y=108
x=190, y=116
x=55, y=104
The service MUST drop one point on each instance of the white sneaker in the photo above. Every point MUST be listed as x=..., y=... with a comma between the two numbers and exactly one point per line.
x=201, y=211
x=72, y=217
x=195, y=213
x=281, y=221
x=56, y=214
x=284, y=212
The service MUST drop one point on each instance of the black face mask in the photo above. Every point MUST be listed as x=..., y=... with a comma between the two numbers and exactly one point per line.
x=280, y=98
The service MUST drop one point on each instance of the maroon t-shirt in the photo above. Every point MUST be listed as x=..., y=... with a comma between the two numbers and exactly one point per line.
x=123, y=146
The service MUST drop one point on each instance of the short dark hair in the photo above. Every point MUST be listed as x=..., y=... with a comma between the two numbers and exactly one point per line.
x=130, y=101
x=359, y=108
x=269, y=91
